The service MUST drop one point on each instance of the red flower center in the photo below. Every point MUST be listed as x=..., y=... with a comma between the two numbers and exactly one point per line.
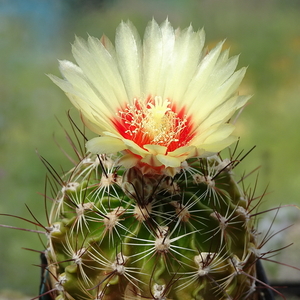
x=156, y=122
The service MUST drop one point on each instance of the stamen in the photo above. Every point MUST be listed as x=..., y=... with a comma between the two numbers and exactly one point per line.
x=154, y=121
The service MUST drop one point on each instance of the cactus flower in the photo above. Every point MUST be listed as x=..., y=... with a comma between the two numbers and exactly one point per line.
x=158, y=101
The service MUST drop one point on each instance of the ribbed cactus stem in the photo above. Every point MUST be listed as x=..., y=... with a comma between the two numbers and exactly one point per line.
x=128, y=235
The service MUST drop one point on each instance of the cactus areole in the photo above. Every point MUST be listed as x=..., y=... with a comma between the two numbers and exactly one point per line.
x=152, y=210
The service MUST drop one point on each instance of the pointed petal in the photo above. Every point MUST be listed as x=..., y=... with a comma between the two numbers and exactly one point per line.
x=156, y=149
x=224, y=112
x=129, y=54
x=101, y=69
x=152, y=58
x=169, y=161
x=105, y=144
x=212, y=134
x=221, y=133
x=168, y=42
x=81, y=93
x=184, y=63
x=151, y=160
x=182, y=151
x=128, y=161
x=219, y=145
x=134, y=148
x=200, y=80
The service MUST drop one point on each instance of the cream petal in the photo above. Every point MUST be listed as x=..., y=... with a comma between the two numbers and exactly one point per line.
x=223, y=112
x=169, y=161
x=118, y=136
x=93, y=126
x=215, y=95
x=229, y=87
x=100, y=67
x=184, y=63
x=152, y=58
x=128, y=160
x=105, y=144
x=134, y=148
x=199, y=152
x=213, y=134
x=80, y=88
x=222, y=132
x=218, y=146
x=108, y=45
x=95, y=121
x=66, y=87
x=201, y=77
x=84, y=98
x=220, y=83
x=129, y=54
x=224, y=68
x=222, y=78
x=171, y=171
x=182, y=151
x=151, y=160
x=168, y=42
x=156, y=149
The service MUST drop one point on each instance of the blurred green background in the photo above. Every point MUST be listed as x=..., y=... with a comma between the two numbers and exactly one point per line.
x=35, y=33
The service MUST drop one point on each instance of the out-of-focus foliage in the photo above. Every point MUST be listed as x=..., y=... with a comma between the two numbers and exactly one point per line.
x=34, y=34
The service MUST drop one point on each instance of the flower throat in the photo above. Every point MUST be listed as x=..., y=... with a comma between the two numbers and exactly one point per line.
x=154, y=122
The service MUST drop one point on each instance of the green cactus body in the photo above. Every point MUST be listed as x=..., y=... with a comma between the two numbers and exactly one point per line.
x=125, y=235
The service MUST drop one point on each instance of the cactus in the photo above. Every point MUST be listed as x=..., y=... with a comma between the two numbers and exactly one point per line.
x=152, y=210
x=126, y=235
x=165, y=218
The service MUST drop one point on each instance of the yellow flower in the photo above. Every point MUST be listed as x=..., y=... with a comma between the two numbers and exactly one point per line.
x=159, y=101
